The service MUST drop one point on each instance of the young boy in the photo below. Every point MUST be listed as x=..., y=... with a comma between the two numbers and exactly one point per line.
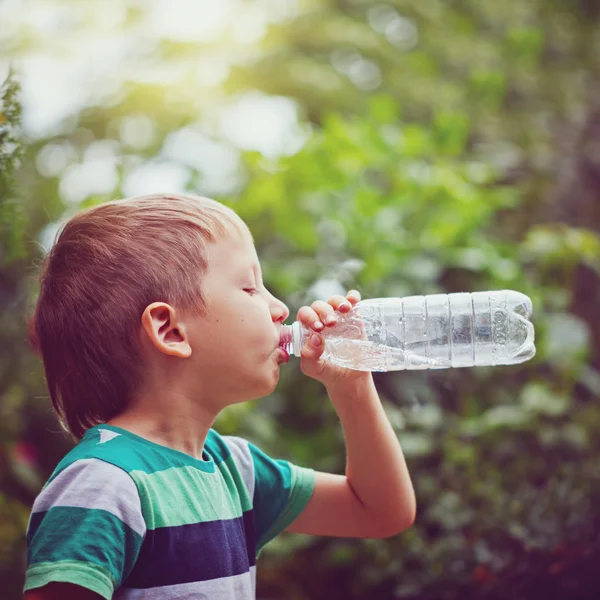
x=152, y=318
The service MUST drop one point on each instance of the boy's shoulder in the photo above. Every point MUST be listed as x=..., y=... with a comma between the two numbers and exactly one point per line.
x=106, y=445
x=132, y=453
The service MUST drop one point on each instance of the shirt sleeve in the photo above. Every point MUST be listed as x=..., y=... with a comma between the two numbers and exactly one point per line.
x=86, y=528
x=281, y=492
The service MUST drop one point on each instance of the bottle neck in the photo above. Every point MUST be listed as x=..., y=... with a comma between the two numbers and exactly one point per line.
x=292, y=338
x=285, y=340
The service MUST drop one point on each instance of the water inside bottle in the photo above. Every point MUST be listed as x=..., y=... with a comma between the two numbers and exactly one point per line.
x=436, y=332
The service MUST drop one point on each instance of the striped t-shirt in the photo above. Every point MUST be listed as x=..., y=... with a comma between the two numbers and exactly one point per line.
x=131, y=519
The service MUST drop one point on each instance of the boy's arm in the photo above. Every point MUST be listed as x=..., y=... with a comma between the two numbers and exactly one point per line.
x=375, y=498
x=86, y=529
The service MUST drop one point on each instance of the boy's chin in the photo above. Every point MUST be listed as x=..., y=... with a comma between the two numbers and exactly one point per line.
x=258, y=389
x=271, y=382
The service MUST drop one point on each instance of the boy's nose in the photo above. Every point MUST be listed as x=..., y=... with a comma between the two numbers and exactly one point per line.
x=280, y=312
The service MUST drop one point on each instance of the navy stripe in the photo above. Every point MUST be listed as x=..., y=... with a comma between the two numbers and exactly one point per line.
x=196, y=552
x=248, y=518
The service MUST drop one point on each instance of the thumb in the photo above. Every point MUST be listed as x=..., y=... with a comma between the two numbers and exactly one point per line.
x=313, y=348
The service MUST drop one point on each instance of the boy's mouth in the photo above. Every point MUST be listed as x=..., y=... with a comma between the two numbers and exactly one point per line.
x=282, y=356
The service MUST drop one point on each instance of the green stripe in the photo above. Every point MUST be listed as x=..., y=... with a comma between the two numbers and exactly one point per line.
x=185, y=495
x=272, y=488
x=131, y=452
x=303, y=483
x=66, y=533
x=87, y=575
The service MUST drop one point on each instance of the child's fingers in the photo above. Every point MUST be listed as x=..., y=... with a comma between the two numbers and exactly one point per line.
x=345, y=305
x=320, y=313
x=310, y=318
x=353, y=296
x=339, y=303
x=326, y=312
x=313, y=348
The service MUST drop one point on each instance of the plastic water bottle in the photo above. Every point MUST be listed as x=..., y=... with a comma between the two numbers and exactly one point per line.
x=426, y=332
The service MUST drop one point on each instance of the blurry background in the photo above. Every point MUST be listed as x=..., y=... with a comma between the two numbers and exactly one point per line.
x=394, y=147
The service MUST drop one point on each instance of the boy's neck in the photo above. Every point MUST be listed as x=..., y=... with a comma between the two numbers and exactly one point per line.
x=182, y=427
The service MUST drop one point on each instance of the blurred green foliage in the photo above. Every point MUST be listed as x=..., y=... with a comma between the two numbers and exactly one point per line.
x=15, y=475
x=449, y=147
x=11, y=216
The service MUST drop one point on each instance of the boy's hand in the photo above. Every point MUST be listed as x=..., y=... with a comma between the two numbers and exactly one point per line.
x=316, y=318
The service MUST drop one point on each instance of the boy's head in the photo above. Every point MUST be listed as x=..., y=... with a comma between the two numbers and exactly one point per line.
x=155, y=294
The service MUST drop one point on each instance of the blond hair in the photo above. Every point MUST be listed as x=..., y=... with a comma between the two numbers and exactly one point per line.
x=107, y=264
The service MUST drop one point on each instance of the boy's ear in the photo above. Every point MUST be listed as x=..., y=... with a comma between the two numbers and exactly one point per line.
x=166, y=333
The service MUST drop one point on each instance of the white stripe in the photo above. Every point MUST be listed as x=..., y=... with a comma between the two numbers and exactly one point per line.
x=106, y=435
x=237, y=587
x=94, y=483
x=242, y=458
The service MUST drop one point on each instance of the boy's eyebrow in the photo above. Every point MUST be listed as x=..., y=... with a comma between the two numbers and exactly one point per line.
x=254, y=267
